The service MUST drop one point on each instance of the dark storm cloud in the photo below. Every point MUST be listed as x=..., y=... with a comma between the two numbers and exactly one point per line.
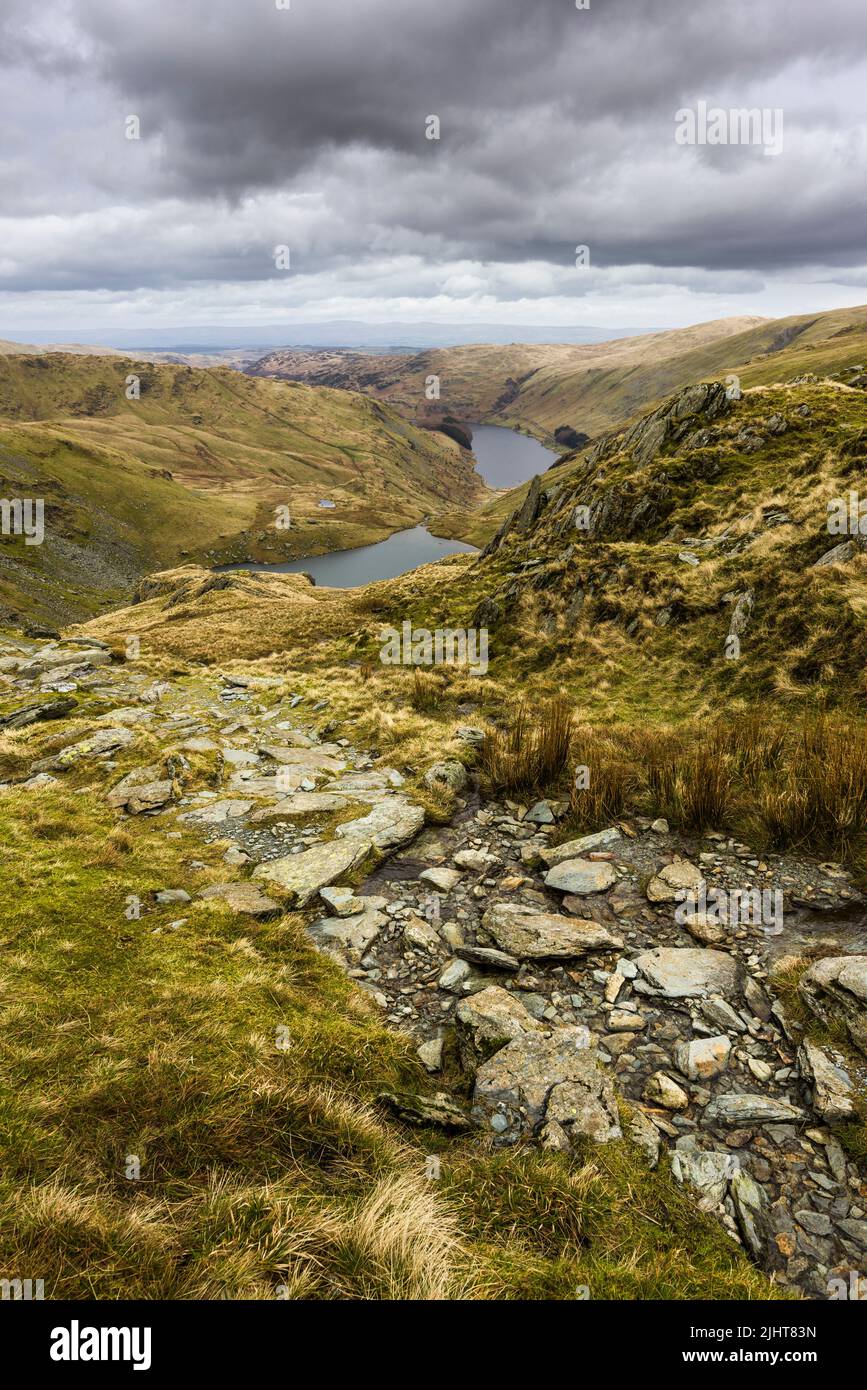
x=307, y=125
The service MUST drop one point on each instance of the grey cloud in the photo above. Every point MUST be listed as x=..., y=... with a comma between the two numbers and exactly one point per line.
x=262, y=125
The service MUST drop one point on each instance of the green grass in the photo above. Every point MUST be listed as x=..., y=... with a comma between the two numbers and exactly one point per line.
x=263, y=1173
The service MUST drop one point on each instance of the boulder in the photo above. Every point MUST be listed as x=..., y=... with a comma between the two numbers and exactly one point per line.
x=581, y=877
x=301, y=876
x=513, y=1087
x=421, y=935
x=674, y=881
x=836, y=988
x=478, y=860
x=437, y=1109
x=487, y=1021
x=743, y=1110
x=450, y=773
x=686, y=972
x=96, y=745
x=661, y=1089
x=392, y=822
x=443, y=880
x=143, y=789
x=707, y=1172
x=644, y=1133
x=833, y=1092
x=489, y=958
x=703, y=1058
x=751, y=1207
x=530, y=934
x=342, y=901
x=351, y=937
x=576, y=849
x=25, y=715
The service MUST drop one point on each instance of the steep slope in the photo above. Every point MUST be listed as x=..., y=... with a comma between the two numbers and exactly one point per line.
x=707, y=518
x=204, y=463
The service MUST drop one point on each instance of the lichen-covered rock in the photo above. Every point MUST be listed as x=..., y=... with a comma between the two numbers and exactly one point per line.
x=674, y=881
x=487, y=1021
x=836, y=987
x=513, y=1088
x=301, y=876
x=247, y=899
x=581, y=876
x=833, y=1092
x=742, y=1110
x=450, y=773
x=686, y=972
x=390, y=823
x=532, y=935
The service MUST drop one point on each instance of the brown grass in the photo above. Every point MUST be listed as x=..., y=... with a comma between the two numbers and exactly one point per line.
x=532, y=754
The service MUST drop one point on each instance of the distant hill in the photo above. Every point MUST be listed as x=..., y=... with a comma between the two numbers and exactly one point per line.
x=531, y=386
x=197, y=466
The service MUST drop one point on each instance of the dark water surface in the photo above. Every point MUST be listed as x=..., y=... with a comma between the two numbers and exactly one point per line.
x=347, y=569
x=506, y=458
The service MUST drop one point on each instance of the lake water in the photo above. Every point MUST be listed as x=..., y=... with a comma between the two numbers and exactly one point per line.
x=346, y=569
x=505, y=458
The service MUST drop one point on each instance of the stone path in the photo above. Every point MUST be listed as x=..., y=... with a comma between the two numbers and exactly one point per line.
x=559, y=975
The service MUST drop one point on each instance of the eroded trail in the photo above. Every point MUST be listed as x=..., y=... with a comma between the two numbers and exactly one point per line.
x=551, y=984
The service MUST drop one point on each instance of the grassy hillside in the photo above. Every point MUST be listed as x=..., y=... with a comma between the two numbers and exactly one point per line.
x=705, y=519
x=533, y=387
x=612, y=617
x=197, y=466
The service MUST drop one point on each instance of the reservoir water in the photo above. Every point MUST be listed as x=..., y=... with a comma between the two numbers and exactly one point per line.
x=504, y=459
x=346, y=569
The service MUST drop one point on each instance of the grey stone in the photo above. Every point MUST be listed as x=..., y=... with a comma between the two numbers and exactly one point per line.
x=576, y=849
x=581, y=876
x=302, y=875
x=833, y=1092
x=487, y=1021
x=743, y=1110
x=836, y=987
x=529, y=934
x=247, y=899
x=683, y=972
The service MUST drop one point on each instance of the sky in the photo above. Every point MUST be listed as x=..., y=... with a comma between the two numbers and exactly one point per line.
x=304, y=124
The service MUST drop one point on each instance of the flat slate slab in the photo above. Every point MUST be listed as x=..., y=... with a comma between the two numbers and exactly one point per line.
x=392, y=822
x=581, y=876
x=302, y=875
x=244, y=898
x=684, y=972
x=533, y=935
x=576, y=849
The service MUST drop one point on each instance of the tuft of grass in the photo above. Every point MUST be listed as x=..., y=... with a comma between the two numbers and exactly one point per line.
x=532, y=753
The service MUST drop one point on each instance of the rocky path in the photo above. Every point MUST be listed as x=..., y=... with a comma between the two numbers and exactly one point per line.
x=559, y=975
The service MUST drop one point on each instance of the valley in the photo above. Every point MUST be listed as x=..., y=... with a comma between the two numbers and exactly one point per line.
x=460, y=923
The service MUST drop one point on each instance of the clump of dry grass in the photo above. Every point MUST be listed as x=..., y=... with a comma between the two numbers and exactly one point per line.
x=428, y=692
x=532, y=754
x=779, y=785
